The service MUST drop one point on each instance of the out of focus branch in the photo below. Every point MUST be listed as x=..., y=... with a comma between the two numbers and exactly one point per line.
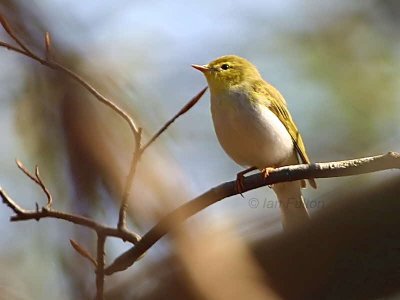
x=358, y=166
x=47, y=212
x=38, y=180
x=129, y=182
x=24, y=50
x=139, y=152
x=101, y=241
x=83, y=252
x=136, y=131
x=182, y=111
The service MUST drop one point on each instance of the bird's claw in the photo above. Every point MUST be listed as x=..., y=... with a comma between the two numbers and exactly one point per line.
x=239, y=184
x=265, y=173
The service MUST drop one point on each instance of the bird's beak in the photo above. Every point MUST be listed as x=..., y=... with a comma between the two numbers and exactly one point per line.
x=202, y=69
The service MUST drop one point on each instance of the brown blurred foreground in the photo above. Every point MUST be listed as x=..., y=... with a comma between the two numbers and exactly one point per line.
x=350, y=250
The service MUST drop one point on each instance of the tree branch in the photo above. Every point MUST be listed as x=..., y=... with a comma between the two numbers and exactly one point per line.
x=140, y=150
x=24, y=50
x=38, y=180
x=83, y=252
x=136, y=131
x=182, y=111
x=23, y=215
x=137, y=153
x=101, y=240
x=56, y=66
x=390, y=160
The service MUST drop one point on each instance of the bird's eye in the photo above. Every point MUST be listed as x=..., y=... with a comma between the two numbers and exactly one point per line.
x=225, y=66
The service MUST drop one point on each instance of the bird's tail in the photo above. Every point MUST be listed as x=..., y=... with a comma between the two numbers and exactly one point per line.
x=292, y=205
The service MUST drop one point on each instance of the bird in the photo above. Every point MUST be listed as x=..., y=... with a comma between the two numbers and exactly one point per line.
x=255, y=129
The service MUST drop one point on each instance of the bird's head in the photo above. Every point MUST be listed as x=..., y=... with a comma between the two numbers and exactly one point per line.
x=227, y=71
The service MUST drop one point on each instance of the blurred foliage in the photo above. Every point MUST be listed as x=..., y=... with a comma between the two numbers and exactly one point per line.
x=358, y=64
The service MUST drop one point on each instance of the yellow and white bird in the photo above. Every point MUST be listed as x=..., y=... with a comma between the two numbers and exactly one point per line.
x=255, y=128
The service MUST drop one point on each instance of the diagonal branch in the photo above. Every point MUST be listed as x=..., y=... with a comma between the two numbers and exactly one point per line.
x=83, y=252
x=11, y=33
x=390, y=160
x=182, y=111
x=139, y=152
x=56, y=66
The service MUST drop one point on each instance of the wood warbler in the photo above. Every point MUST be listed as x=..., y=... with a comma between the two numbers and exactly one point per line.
x=255, y=128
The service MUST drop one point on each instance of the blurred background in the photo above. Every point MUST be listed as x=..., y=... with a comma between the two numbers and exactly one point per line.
x=337, y=64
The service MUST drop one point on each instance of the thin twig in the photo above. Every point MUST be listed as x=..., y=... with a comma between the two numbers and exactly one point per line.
x=26, y=171
x=390, y=160
x=83, y=252
x=11, y=33
x=13, y=48
x=183, y=110
x=44, y=188
x=56, y=66
x=101, y=240
x=38, y=180
x=129, y=181
x=140, y=150
x=18, y=210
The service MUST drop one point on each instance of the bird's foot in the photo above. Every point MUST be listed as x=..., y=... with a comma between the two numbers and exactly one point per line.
x=239, y=184
x=265, y=173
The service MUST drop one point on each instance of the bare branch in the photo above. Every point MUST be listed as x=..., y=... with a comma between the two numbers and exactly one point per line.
x=139, y=151
x=23, y=215
x=38, y=180
x=44, y=188
x=11, y=33
x=129, y=181
x=183, y=110
x=83, y=252
x=56, y=66
x=47, y=211
x=390, y=160
x=26, y=171
x=137, y=132
x=18, y=210
x=13, y=48
x=101, y=240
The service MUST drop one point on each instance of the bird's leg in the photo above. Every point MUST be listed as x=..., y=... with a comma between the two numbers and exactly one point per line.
x=265, y=171
x=239, y=185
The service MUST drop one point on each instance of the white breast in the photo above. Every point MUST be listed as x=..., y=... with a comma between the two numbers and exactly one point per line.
x=249, y=133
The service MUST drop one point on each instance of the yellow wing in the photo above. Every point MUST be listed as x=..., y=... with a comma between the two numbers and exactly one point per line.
x=277, y=105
